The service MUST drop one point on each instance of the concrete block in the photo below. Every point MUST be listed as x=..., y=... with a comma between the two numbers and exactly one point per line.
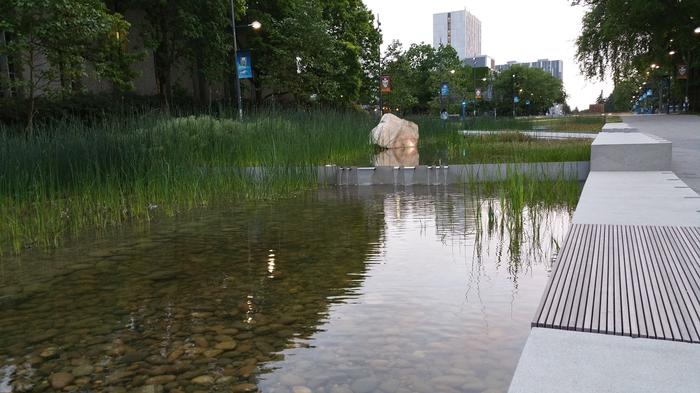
x=384, y=175
x=555, y=361
x=618, y=127
x=630, y=151
x=365, y=176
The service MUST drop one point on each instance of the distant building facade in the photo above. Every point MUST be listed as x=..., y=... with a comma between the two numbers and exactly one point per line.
x=553, y=67
x=460, y=30
x=482, y=61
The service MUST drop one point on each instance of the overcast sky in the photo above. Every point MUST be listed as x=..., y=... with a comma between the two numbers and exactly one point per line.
x=522, y=30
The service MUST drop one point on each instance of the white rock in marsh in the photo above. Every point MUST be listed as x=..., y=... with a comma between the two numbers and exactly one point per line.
x=393, y=132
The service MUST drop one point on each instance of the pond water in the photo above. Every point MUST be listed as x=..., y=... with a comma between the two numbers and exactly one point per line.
x=345, y=291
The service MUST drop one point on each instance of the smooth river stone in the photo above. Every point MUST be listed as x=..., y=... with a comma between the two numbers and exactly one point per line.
x=203, y=380
x=160, y=380
x=226, y=345
x=61, y=380
x=244, y=388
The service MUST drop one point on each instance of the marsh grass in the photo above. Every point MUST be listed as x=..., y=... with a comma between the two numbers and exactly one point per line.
x=516, y=209
x=71, y=177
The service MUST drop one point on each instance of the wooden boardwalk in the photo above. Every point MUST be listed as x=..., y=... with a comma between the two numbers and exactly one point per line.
x=638, y=281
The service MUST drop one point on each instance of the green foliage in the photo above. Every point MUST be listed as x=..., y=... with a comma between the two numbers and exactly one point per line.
x=417, y=74
x=537, y=86
x=327, y=50
x=56, y=40
x=623, y=37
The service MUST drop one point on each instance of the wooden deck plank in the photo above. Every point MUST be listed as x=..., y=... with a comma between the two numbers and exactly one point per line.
x=637, y=281
x=681, y=267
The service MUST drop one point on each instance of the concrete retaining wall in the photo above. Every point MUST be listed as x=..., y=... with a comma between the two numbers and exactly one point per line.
x=445, y=175
x=630, y=151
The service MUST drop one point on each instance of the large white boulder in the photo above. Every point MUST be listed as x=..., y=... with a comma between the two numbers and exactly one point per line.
x=393, y=132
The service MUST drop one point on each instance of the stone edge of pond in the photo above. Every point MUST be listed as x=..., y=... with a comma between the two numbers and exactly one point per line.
x=449, y=174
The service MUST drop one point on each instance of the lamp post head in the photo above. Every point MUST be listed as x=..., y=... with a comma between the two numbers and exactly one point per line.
x=256, y=25
x=452, y=71
x=672, y=52
x=697, y=30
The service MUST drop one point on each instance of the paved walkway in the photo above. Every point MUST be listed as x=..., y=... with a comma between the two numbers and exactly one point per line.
x=635, y=262
x=684, y=132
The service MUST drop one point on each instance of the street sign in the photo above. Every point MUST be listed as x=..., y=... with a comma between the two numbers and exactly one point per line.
x=478, y=94
x=444, y=89
x=682, y=71
x=245, y=69
x=385, y=83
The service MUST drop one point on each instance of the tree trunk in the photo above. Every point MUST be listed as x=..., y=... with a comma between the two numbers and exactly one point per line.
x=5, y=89
x=30, y=109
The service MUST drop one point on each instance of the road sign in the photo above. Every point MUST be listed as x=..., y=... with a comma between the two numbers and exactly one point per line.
x=444, y=89
x=245, y=69
x=682, y=71
x=478, y=94
x=385, y=83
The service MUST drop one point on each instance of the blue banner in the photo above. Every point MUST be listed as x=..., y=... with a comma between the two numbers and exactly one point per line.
x=245, y=69
x=444, y=89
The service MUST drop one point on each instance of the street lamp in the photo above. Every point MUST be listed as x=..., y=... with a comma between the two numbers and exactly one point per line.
x=452, y=72
x=697, y=30
x=672, y=52
x=255, y=25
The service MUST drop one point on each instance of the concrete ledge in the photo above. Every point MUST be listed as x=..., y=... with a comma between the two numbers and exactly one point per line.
x=630, y=151
x=618, y=127
x=565, y=361
x=637, y=198
x=452, y=174
x=537, y=134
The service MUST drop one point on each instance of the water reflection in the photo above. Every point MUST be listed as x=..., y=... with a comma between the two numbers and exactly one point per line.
x=357, y=290
x=397, y=157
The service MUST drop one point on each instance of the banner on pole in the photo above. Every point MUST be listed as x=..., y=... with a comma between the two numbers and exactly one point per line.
x=444, y=89
x=478, y=94
x=385, y=83
x=682, y=71
x=245, y=69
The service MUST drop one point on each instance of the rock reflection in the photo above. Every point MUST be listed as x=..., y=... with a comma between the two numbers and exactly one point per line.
x=397, y=157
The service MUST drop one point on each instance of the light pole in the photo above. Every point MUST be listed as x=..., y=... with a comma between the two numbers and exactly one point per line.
x=256, y=26
x=512, y=90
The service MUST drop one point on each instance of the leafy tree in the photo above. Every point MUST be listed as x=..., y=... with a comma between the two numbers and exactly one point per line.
x=198, y=32
x=53, y=41
x=312, y=48
x=536, y=89
x=624, y=38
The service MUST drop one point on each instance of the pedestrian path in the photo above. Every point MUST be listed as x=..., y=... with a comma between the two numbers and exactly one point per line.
x=621, y=311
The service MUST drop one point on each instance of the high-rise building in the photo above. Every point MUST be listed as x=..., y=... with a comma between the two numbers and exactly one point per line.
x=483, y=61
x=460, y=30
x=553, y=67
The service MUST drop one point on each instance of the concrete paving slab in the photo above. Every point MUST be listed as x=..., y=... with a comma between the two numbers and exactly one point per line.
x=630, y=151
x=618, y=127
x=539, y=134
x=684, y=132
x=637, y=198
x=565, y=361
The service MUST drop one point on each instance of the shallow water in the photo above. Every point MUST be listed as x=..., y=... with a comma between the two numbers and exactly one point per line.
x=348, y=291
